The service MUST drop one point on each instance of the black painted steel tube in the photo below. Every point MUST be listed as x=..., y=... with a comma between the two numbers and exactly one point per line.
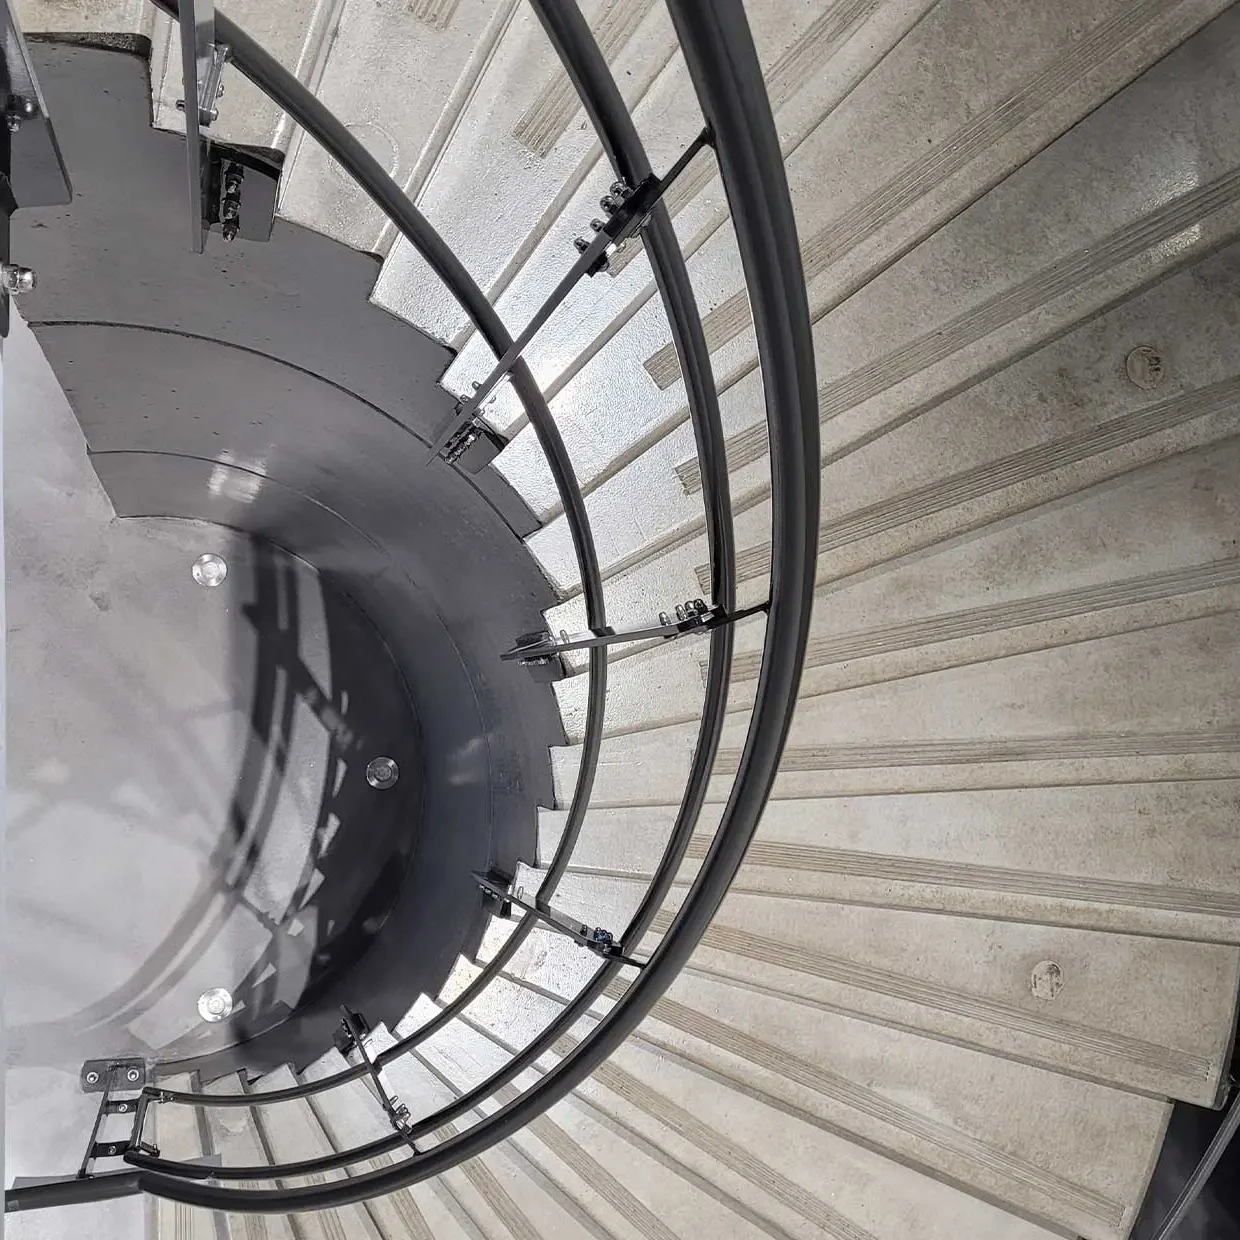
x=721, y=58
x=590, y=74
x=72, y=1191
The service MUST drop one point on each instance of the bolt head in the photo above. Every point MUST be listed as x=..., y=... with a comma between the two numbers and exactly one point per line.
x=215, y=1005
x=92, y=1078
x=133, y=1074
x=209, y=569
x=382, y=772
x=13, y=122
x=17, y=280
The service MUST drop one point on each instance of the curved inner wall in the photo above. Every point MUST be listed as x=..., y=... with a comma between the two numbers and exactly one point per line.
x=255, y=396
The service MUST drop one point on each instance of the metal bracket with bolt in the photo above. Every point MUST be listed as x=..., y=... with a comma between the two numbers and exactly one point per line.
x=124, y=1073
x=16, y=280
x=627, y=210
x=107, y=1077
x=18, y=110
x=593, y=938
x=693, y=616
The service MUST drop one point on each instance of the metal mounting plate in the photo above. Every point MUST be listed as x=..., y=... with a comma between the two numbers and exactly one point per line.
x=113, y=1074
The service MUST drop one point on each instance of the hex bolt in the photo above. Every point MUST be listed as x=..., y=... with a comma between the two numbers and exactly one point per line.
x=15, y=280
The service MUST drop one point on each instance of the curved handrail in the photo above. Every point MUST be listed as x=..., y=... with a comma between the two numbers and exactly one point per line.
x=719, y=52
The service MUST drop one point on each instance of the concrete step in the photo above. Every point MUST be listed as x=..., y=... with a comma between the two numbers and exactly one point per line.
x=292, y=1131
x=351, y=1116
x=1069, y=570
x=500, y=1192
x=495, y=183
x=958, y=469
x=234, y=1136
x=647, y=1189
x=1004, y=853
x=178, y=1134
x=722, y=1123
x=1000, y=281
x=1050, y=995
x=1067, y=716
x=811, y=60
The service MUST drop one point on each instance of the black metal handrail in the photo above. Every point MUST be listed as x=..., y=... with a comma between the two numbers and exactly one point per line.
x=719, y=53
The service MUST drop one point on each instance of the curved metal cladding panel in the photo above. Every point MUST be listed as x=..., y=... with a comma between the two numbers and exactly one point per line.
x=256, y=387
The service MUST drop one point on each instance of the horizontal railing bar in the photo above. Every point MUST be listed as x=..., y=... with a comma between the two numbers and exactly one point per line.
x=71, y=1191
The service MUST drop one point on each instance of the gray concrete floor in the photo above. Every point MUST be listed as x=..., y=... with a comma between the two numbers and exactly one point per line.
x=129, y=687
x=63, y=945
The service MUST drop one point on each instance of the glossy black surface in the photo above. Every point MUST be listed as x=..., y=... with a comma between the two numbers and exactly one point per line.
x=1216, y=1213
x=255, y=387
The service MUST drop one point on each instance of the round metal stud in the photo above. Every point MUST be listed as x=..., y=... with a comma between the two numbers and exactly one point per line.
x=215, y=1005
x=382, y=772
x=133, y=1074
x=1046, y=981
x=209, y=569
x=92, y=1078
x=1145, y=367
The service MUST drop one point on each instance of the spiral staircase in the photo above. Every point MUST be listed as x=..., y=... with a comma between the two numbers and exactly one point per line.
x=985, y=936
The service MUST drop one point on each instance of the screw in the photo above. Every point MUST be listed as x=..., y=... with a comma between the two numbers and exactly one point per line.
x=124, y=1106
x=382, y=772
x=597, y=225
x=209, y=569
x=92, y=1077
x=581, y=244
x=215, y=1004
x=15, y=280
x=133, y=1074
x=14, y=122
